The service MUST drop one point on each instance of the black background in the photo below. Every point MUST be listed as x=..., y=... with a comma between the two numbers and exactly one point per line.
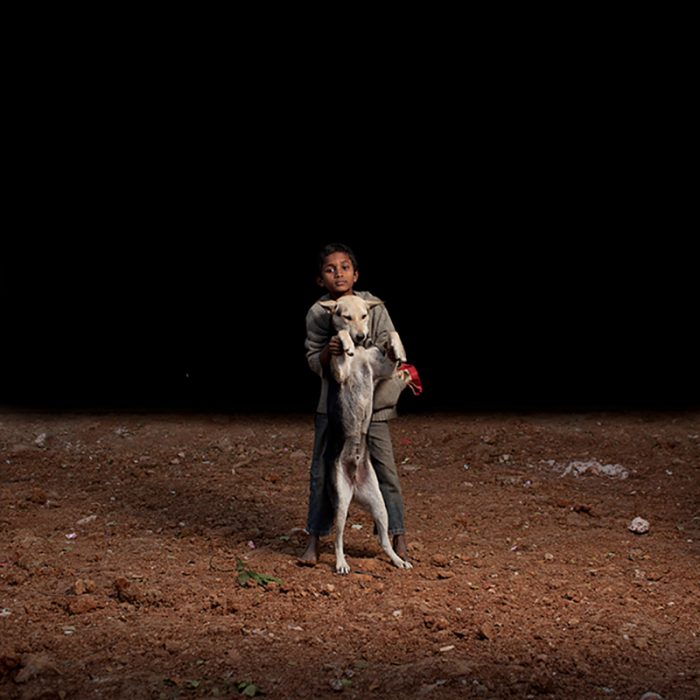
x=526, y=225
x=494, y=317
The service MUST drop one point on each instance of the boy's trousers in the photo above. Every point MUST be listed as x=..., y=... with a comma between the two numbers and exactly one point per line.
x=322, y=499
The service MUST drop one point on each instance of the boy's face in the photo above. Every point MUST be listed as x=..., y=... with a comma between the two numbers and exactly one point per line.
x=337, y=275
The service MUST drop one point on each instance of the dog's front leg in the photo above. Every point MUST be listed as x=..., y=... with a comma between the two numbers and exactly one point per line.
x=341, y=363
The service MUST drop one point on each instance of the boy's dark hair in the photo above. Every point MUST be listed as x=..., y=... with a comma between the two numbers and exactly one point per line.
x=336, y=248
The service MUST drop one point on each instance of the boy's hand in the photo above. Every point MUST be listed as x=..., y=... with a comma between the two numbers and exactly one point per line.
x=394, y=348
x=334, y=347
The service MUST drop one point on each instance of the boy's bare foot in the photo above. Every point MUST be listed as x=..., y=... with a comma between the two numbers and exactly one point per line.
x=400, y=547
x=310, y=555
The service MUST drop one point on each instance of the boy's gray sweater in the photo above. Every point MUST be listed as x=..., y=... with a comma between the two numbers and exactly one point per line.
x=319, y=330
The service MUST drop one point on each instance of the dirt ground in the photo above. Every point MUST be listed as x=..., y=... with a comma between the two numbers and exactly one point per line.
x=135, y=551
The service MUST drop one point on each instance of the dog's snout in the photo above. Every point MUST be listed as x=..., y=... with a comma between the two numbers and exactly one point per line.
x=359, y=337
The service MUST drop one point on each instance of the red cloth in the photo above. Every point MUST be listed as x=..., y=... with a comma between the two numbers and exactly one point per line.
x=414, y=382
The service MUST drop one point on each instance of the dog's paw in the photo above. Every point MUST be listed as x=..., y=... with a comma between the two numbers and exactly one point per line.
x=405, y=564
x=346, y=343
x=342, y=569
x=394, y=347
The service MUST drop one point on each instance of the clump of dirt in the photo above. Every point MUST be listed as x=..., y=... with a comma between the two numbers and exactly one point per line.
x=154, y=556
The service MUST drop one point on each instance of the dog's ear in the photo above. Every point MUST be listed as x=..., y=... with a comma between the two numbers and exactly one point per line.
x=371, y=303
x=329, y=305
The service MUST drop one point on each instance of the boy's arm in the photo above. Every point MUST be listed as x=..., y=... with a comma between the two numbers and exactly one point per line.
x=382, y=325
x=317, y=336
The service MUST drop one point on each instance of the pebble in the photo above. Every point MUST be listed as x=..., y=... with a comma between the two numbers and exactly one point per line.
x=35, y=665
x=82, y=586
x=639, y=526
x=38, y=495
x=439, y=560
x=82, y=605
x=485, y=631
x=651, y=696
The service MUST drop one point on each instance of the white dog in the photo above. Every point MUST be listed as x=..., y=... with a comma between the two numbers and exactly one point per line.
x=357, y=370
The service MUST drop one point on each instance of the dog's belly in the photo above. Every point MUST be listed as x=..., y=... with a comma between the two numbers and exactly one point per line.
x=355, y=398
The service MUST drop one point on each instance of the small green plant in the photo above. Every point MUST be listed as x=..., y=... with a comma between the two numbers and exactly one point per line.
x=245, y=576
x=249, y=689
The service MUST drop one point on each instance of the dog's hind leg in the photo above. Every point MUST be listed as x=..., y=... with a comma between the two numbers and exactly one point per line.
x=367, y=492
x=344, y=492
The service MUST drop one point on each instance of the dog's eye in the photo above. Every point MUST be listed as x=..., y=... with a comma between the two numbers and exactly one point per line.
x=348, y=317
x=364, y=316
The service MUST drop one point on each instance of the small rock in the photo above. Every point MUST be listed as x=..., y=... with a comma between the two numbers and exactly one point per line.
x=548, y=557
x=126, y=593
x=9, y=662
x=41, y=439
x=83, y=604
x=639, y=526
x=436, y=623
x=34, y=665
x=82, y=586
x=651, y=696
x=485, y=631
x=439, y=560
x=38, y=496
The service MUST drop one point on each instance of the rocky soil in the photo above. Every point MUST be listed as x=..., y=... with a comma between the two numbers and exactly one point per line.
x=154, y=556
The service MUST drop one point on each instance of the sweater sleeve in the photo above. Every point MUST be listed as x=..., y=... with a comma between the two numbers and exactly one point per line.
x=381, y=326
x=317, y=336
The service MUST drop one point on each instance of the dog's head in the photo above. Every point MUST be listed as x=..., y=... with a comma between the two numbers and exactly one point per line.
x=351, y=314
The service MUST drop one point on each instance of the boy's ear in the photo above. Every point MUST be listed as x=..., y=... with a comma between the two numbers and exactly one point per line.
x=374, y=302
x=329, y=305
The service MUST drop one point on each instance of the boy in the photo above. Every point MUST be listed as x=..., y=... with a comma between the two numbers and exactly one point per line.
x=337, y=275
